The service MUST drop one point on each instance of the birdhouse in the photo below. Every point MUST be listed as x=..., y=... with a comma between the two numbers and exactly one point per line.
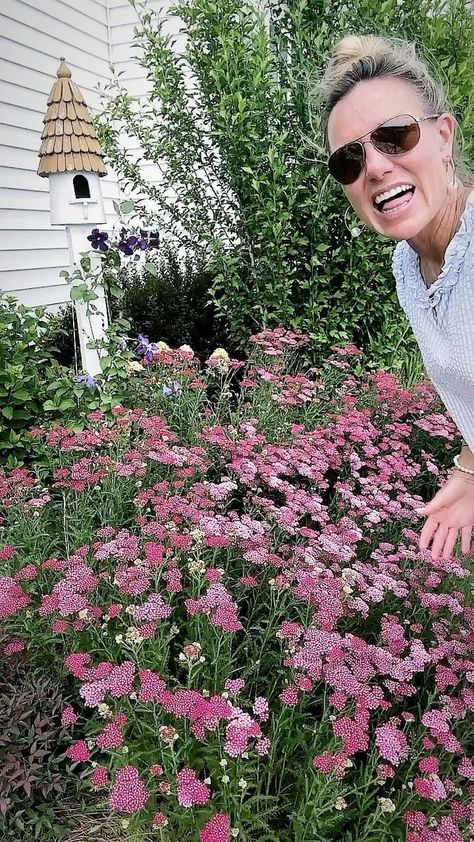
x=71, y=156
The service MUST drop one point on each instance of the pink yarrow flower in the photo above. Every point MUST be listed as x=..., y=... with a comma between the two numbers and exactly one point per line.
x=129, y=793
x=100, y=776
x=391, y=743
x=68, y=716
x=217, y=829
x=191, y=790
x=78, y=751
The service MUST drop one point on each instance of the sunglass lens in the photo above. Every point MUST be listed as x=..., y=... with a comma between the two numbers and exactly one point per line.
x=346, y=163
x=395, y=138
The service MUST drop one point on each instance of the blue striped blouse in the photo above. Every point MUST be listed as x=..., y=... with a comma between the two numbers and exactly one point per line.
x=442, y=319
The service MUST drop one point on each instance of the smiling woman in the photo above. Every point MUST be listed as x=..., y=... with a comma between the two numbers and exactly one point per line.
x=391, y=137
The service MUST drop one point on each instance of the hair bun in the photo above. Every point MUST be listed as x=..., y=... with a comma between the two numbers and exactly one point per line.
x=353, y=47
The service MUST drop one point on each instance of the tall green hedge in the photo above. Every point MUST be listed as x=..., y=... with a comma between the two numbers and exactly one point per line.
x=243, y=183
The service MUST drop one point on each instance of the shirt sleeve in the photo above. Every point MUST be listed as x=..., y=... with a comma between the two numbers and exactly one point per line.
x=461, y=410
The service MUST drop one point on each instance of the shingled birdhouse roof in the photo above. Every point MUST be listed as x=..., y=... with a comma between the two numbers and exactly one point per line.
x=69, y=141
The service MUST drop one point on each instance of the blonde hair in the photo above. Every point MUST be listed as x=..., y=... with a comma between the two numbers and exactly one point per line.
x=357, y=58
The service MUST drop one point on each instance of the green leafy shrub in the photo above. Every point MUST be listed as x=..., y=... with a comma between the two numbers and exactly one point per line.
x=24, y=357
x=232, y=125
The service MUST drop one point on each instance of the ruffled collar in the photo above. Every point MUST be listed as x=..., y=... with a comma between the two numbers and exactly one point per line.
x=406, y=262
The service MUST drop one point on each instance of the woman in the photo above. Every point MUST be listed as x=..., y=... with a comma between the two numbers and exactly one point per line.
x=391, y=138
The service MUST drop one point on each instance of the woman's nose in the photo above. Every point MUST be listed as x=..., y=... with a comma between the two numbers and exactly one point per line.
x=376, y=163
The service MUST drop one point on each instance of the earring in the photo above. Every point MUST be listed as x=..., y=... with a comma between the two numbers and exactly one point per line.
x=453, y=180
x=355, y=230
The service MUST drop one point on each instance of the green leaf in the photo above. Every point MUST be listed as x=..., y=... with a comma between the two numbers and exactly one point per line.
x=127, y=206
x=8, y=412
x=151, y=268
x=76, y=293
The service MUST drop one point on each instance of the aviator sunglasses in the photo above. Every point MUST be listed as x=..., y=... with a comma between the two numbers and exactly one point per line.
x=393, y=137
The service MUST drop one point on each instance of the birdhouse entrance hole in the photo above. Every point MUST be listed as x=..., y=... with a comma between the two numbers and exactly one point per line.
x=81, y=187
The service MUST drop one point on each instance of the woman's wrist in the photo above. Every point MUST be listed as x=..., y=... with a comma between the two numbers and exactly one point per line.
x=466, y=458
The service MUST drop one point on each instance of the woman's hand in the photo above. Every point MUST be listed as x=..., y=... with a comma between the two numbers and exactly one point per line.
x=449, y=512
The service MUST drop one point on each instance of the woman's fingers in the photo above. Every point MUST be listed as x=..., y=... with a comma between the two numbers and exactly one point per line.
x=466, y=539
x=426, y=534
x=450, y=542
x=439, y=539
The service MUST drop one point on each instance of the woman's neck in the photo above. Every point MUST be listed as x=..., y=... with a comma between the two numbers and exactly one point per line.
x=431, y=243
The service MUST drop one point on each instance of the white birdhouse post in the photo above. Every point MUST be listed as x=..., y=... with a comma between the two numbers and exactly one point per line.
x=72, y=158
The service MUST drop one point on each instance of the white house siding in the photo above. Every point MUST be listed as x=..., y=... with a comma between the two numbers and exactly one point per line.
x=123, y=18
x=33, y=36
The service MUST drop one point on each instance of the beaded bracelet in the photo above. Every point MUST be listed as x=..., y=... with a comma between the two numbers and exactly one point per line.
x=462, y=468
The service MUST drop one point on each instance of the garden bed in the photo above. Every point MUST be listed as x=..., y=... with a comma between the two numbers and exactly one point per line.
x=225, y=586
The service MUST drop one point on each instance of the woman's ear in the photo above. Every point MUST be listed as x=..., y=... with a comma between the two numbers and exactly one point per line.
x=447, y=130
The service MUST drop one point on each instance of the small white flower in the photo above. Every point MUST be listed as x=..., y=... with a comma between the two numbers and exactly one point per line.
x=181, y=656
x=124, y=749
x=223, y=763
x=207, y=781
x=202, y=659
x=234, y=832
x=243, y=783
x=386, y=805
x=225, y=779
x=118, y=638
x=340, y=803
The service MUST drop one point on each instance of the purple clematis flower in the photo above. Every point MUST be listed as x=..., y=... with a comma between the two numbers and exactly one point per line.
x=145, y=349
x=87, y=379
x=98, y=239
x=174, y=389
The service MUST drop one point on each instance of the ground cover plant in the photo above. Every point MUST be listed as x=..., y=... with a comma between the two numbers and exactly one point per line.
x=223, y=579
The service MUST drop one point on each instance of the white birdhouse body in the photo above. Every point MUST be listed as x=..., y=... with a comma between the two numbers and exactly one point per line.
x=72, y=159
x=76, y=199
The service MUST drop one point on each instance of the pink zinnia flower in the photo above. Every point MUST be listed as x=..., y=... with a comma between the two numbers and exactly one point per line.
x=129, y=793
x=78, y=751
x=217, y=829
x=190, y=789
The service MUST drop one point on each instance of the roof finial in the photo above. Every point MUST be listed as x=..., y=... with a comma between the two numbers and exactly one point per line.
x=63, y=71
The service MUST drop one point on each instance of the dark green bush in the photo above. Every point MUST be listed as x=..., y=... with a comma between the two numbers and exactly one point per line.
x=172, y=304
